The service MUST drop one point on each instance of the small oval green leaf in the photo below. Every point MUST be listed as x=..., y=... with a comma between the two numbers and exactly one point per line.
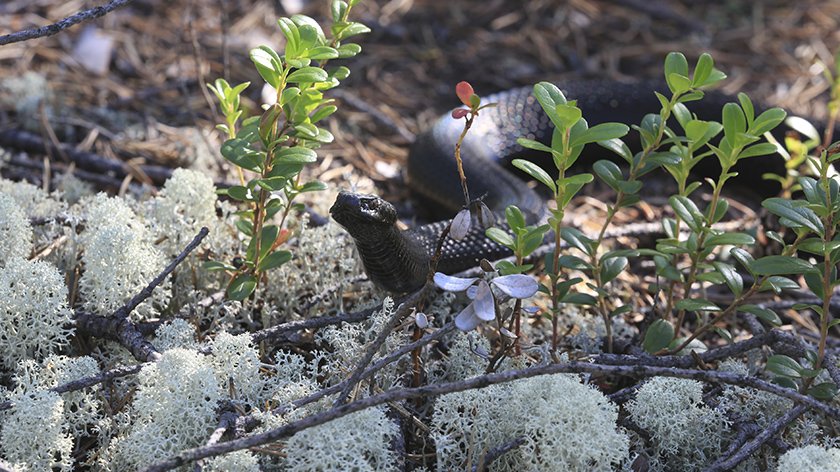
x=659, y=335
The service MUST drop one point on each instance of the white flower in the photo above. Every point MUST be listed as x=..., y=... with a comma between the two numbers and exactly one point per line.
x=483, y=307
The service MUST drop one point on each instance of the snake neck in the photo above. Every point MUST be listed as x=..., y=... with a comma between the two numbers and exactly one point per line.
x=393, y=259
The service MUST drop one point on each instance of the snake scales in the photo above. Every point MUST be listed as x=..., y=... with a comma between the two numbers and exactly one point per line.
x=399, y=260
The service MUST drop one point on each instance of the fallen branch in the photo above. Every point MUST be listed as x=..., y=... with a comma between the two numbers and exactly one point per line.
x=60, y=26
x=289, y=429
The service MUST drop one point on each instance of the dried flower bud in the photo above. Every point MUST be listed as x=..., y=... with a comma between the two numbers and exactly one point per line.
x=460, y=225
x=506, y=333
x=485, y=216
x=421, y=320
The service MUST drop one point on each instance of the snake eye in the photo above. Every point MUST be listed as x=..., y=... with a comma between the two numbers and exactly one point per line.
x=371, y=205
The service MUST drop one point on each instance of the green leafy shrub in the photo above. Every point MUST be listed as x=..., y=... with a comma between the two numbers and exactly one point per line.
x=277, y=145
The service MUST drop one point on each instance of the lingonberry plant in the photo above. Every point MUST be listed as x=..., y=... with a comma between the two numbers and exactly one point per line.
x=690, y=254
x=571, y=134
x=275, y=146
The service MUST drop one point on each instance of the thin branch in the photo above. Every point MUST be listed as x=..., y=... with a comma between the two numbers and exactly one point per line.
x=90, y=381
x=498, y=451
x=480, y=382
x=226, y=422
x=121, y=330
x=759, y=440
x=400, y=313
x=59, y=26
x=320, y=322
x=118, y=327
x=124, y=311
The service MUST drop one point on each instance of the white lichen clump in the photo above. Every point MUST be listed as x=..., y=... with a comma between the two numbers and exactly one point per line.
x=686, y=435
x=120, y=260
x=461, y=362
x=186, y=202
x=235, y=360
x=177, y=333
x=566, y=425
x=34, y=433
x=81, y=407
x=15, y=231
x=237, y=461
x=35, y=319
x=349, y=343
x=33, y=200
x=323, y=258
x=810, y=459
x=359, y=442
x=174, y=409
x=762, y=407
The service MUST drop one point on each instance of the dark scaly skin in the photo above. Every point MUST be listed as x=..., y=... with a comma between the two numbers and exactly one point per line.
x=491, y=143
x=399, y=261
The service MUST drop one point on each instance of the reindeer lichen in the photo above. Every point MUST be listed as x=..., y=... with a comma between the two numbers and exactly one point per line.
x=810, y=459
x=358, y=442
x=173, y=409
x=565, y=424
x=120, y=260
x=686, y=435
x=35, y=319
x=34, y=433
x=15, y=231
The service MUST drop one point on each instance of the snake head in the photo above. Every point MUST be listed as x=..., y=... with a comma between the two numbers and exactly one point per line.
x=361, y=213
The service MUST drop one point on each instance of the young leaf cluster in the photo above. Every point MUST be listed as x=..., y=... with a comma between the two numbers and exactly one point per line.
x=276, y=145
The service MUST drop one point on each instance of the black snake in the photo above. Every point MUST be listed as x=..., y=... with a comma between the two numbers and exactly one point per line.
x=399, y=260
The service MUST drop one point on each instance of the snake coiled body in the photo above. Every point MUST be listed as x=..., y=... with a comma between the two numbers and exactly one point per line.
x=399, y=260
